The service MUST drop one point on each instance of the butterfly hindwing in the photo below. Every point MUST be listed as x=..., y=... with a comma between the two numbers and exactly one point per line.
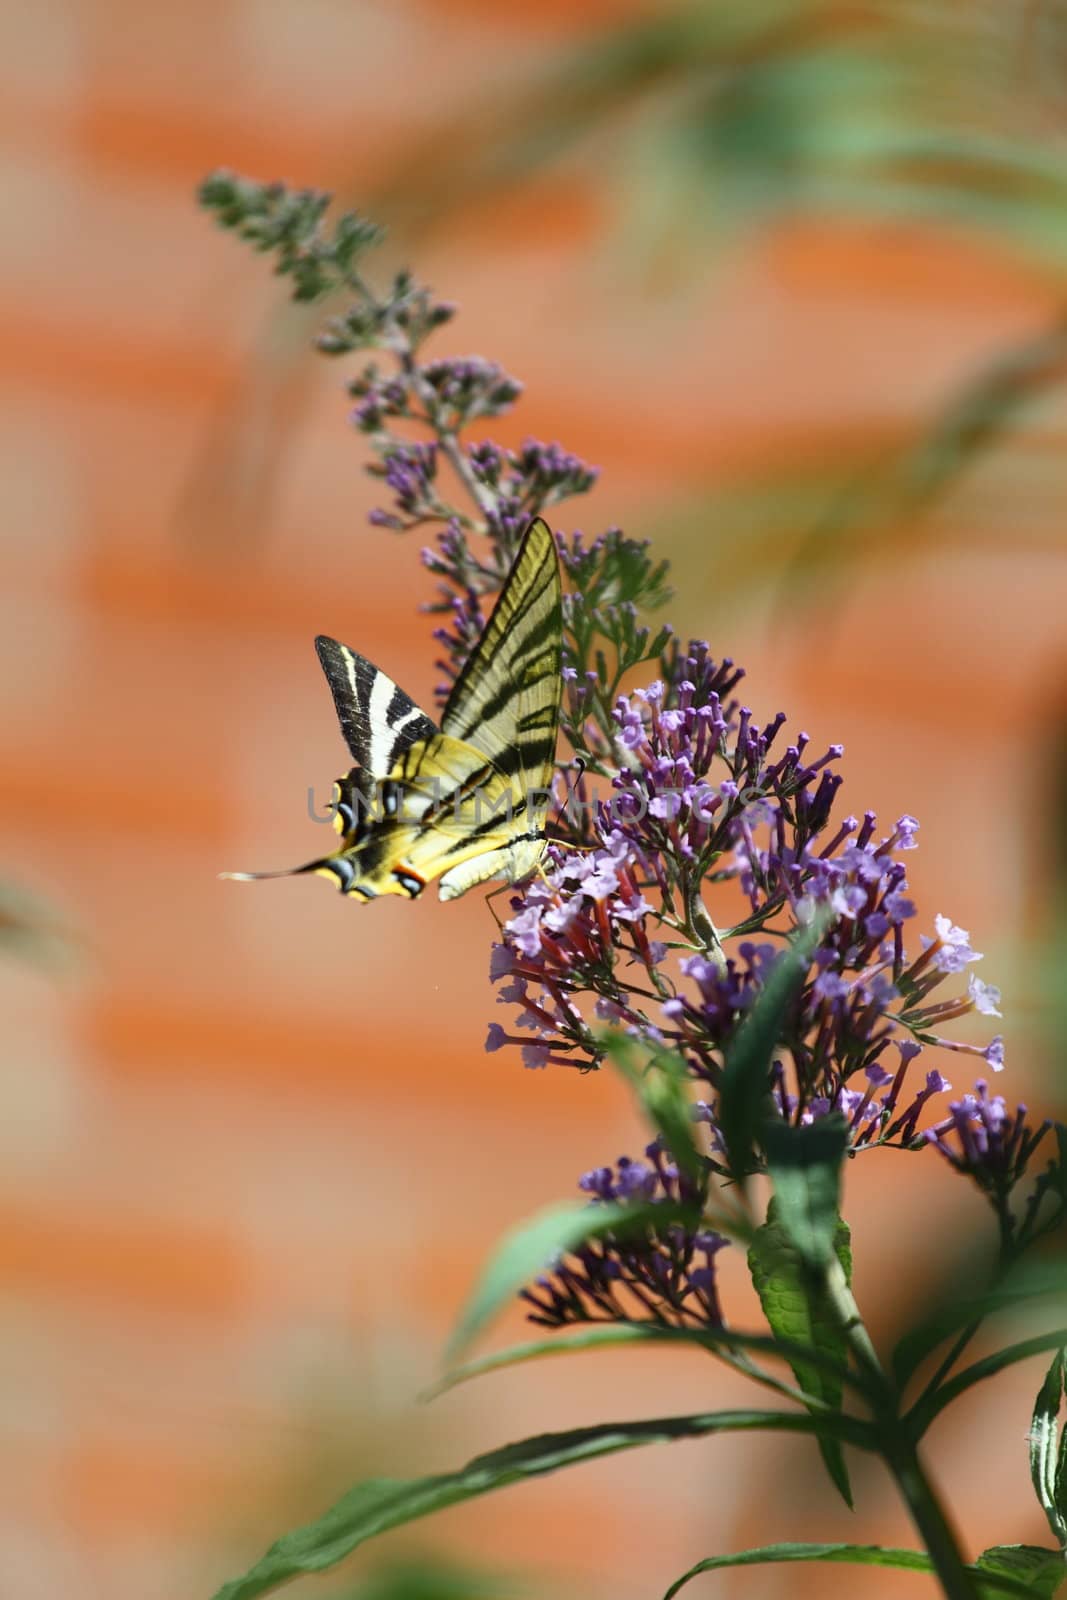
x=421, y=820
x=479, y=829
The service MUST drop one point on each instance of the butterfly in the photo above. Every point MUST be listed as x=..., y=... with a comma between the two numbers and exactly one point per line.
x=465, y=801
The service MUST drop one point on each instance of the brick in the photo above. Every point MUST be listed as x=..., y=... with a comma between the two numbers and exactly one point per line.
x=46, y=68
x=301, y=93
x=132, y=282
x=255, y=1152
x=190, y=1272
x=43, y=526
x=42, y=1101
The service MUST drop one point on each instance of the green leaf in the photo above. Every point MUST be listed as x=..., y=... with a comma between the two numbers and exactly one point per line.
x=528, y=1248
x=796, y=1308
x=1059, y=1174
x=560, y=1344
x=931, y=1405
x=1006, y=1581
x=659, y=1079
x=745, y=1088
x=290, y=223
x=1045, y=1447
x=375, y=1506
x=884, y=505
x=1045, y=1281
x=432, y=1579
x=1038, y=1572
x=32, y=930
x=805, y=1168
x=623, y=1333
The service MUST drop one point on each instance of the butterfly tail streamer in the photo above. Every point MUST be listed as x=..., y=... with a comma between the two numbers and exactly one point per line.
x=341, y=866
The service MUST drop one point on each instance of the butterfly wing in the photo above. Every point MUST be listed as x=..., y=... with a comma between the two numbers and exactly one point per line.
x=477, y=831
x=399, y=833
x=505, y=703
x=425, y=821
x=379, y=721
x=460, y=802
x=491, y=764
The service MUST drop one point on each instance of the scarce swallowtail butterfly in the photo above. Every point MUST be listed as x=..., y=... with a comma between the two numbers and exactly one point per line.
x=466, y=801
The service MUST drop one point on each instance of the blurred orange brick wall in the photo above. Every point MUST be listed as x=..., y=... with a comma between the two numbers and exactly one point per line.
x=253, y=1154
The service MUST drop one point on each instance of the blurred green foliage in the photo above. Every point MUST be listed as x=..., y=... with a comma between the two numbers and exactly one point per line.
x=703, y=122
x=32, y=930
x=893, y=108
x=707, y=122
x=890, y=108
x=431, y=1579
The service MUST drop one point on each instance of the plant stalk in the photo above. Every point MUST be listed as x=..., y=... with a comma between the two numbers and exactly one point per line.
x=928, y=1514
x=899, y=1449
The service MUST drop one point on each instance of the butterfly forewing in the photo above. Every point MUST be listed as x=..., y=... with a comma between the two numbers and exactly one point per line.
x=379, y=721
x=505, y=702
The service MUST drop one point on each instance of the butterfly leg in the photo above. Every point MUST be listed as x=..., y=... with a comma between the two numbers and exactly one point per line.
x=500, y=889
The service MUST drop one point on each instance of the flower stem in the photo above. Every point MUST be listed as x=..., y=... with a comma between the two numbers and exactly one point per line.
x=400, y=345
x=480, y=493
x=898, y=1445
x=928, y=1514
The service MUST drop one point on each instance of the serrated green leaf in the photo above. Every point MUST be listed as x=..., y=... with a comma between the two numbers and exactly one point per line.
x=1039, y=1572
x=796, y=1309
x=1045, y=1447
x=805, y=1168
x=869, y=1555
x=745, y=1087
x=375, y=1506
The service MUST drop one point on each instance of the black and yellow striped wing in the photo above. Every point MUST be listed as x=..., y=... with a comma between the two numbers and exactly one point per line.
x=380, y=722
x=505, y=702
x=464, y=802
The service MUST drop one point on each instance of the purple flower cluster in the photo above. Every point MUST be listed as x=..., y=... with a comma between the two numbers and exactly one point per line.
x=578, y=924
x=531, y=478
x=982, y=1138
x=517, y=485
x=513, y=486
x=664, y=1275
x=696, y=846
x=862, y=1003
x=711, y=814
x=456, y=391
x=410, y=471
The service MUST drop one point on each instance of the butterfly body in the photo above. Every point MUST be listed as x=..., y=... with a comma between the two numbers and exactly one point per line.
x=466, y=801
